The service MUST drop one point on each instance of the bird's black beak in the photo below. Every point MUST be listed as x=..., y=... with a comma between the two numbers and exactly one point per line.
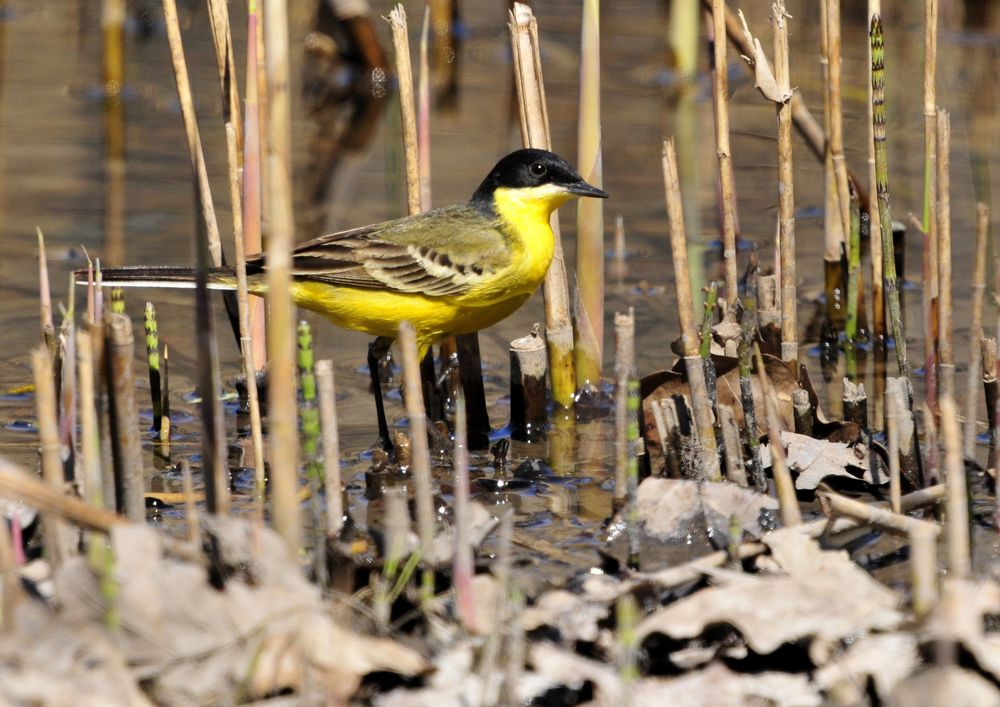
x=581, y=188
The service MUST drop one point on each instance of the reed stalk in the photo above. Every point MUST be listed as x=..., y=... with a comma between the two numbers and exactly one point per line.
x=215, y=462
x=853, y=276
x=705, y=346
x=165, y=421
x=222, y=41
x=528, y=399
x=90, y=443
x=735, y=468
x=251, y=199
x=589, y=331
x=624, y=370
x=929, y=304
x=959, y=552
x=946, y=352
x=720, y=95
x=833, y=233
x=421, y=461
x=424, y=113
x=898, y=405
x=125, y=444
x=534, y=122
x=18, y=483
x=747, y=328
x=892, y=433
x=331, y=447
x=633, y=439
x=281, y=340
x=709, y=466
x=976, y=330
x=56, y=548
x=11, y=589
x=873, y=515
x=462, y=568
x=930, y=443
x=683, y=38
x=191, y=130
x=836, y=134
x=890, y=281
x=871, y=206
x=45, y=296
x=404, y=81
x=67, y=385
x=924, y=568
x=786, y=187
x=930, y=114
x=802, y=412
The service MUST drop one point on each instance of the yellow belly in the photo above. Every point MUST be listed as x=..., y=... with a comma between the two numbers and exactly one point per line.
x=379, y=313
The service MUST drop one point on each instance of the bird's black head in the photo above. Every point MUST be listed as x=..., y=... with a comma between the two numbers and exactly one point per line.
x=526, y=169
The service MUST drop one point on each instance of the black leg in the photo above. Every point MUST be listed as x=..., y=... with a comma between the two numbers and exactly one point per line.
x=376, y=352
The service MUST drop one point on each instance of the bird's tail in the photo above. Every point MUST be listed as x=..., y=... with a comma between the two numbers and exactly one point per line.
x=161, y=276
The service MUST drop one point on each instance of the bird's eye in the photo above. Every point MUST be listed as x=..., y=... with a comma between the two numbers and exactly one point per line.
x=538, y=169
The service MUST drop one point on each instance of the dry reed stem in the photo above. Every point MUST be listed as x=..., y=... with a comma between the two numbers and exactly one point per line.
x=835, y=504
x=281, y=340
x=421, y=461
x=252, y=175
x=125, y=418
x=589, y=344
x=11, y=589
x=720, y=86
x=222, y=41
x=923, y=563
x=837, y=119
x=534, y=121
x=45, y=295
x=48, y=437
x=678, y=249
x=404, y=80
x=248, y=345
x=624, y=367
x=735, y=468
x=191, y=129
x=874, y=242
x=892, y=432
x=424, y=113
x=462, y=568
x=930, y=115
x=959, y=557
x=331, y=446
x=946, y=352
x=976, y=330
x=190, y=506
x=18, y=484
x=786, y=188
x=90, y=444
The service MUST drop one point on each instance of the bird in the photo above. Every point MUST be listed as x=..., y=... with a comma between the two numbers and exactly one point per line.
x=453, y=270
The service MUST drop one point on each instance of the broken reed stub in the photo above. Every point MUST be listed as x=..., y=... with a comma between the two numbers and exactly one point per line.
x=126, y=448
x=897, y=396
x=803, y=412
x=768, y=307
x=528, y=398
x=855, y=403
x=733, y=449
x=668, y=430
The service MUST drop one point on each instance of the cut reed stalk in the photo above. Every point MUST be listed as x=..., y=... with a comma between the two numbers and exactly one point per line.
x=959, y=551
x=924, y=568
x=853, y=275
x=90, y=444
x=709, y=463
x=946, y=352
x=589, y=330
x=930, y=441
x=929, y=303
x=404, y=82
x=786, y=187
x=892, y=432
x=528, y=402
x=191, y=130
x=836, y=134
x=331, y=447
x=222, y=41
x=733, y=449
x=424, y=112
x=281, y=339
x=747, y=327
x=421, y=461
x=56, y=548
x=45, y=296
x=802, y=412
x=720, y=95
x=624, y=370
x=890, y=281
x=855, y=404
x=930, y=114
x=67, y=386
x=462, y=569
x=125, y=444
x=534, y=122
x=976, y=330
x=898, y=405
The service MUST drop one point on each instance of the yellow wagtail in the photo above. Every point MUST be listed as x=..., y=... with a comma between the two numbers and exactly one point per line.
x=454, y=270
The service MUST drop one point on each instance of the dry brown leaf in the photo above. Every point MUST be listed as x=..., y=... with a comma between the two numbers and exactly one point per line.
x=887, y=658
x=817, y=598
x=816, y=459
x=763, y=78
x=669, y=508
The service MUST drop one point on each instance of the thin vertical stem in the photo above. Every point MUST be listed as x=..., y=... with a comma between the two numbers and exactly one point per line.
x=404, y=81
x=93, y=491
x=462, y=568
x=331, y=447
x=281, y=340
x=786, y=188
x=720, y=86
x=959, y=558
x=875, y=244
x=976, y=330
x=624, y=367
x=946, y=351
x=48, y=437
